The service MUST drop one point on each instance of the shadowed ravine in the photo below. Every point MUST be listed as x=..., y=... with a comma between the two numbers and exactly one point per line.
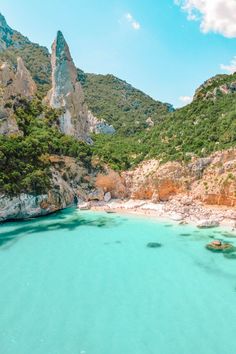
x=81, y=282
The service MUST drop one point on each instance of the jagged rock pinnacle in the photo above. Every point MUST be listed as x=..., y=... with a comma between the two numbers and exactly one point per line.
x=67, y=92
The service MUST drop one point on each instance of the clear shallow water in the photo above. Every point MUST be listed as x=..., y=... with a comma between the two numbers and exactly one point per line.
x=85, y=283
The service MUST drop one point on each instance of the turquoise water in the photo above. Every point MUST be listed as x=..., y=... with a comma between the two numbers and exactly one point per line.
x=85, y=283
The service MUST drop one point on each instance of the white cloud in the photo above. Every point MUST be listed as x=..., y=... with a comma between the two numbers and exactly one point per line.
x=218, y=16
x=231, y=68
x=135, y=24
x=185, y=99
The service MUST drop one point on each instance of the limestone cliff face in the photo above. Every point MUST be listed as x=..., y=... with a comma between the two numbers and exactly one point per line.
x=24, y=85
x=98, y=126
x=67, y=93
x=209, y=180
x=69, y=183
x=12, y=84
x=19, y=83
x=217, y=184
x=151, y=180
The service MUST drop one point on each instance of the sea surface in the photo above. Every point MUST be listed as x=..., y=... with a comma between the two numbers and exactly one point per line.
x=86, y=283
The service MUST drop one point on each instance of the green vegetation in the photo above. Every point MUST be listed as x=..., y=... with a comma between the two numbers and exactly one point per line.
x=120, y=104
x=197, y=129
x=215, y=82
x=24, y=160
x=36, y=59
x=108, y=97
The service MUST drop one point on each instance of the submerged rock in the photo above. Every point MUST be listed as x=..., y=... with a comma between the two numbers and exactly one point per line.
x=154, y=245
x=230, y=255
x=219, y=246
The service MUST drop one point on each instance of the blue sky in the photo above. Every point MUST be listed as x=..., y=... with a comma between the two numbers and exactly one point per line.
x=163, y=48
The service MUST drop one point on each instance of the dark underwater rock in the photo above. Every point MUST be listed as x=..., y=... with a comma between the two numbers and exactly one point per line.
x=230, y=255
x=154, y=245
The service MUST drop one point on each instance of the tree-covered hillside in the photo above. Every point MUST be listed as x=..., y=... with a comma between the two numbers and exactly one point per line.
x=129, y=110
x=37, y=61
x=198, y=129
x=24, y=159
x=204, y=126
x=108, y=97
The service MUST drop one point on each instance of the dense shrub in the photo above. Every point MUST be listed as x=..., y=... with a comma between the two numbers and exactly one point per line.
x=197, y=129
x=24, y=163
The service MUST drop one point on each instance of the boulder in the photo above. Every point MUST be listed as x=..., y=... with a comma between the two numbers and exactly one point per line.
x=107, y=197
x=96, y=195
x=204, y=224
x=176, y=216
x=84, y=206
x=219, y=246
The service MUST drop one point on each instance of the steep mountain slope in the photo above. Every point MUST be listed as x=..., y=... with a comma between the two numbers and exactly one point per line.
x=129, y=110
x=204, y=126
x=36, y=58
x=118, y=103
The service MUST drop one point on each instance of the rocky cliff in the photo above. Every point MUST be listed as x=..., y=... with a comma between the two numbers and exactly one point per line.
x=70, y=182
x=13, y=84
x=210, y=180
x=67, y=93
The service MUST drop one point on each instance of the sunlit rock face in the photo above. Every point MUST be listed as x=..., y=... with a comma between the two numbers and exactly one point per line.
x=13, y=84
x=67, y=93
x=19, y=83
x=24, y=84
x=98, y=126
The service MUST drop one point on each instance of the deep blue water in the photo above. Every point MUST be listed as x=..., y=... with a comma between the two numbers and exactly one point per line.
x=85, y=283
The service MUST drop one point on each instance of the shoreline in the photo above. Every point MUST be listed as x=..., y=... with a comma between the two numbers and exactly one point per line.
x=196, y=214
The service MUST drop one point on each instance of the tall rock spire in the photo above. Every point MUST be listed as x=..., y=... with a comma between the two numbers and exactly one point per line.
x=67, y=93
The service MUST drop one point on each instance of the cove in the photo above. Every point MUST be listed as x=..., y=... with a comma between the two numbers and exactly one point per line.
x=86, y=283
